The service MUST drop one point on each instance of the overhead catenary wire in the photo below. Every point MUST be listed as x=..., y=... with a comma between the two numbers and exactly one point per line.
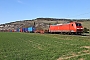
x=80, y=14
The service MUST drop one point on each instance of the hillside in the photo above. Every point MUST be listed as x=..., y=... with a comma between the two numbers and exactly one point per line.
x=41, y=23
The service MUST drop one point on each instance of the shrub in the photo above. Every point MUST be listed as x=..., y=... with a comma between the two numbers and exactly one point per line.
x=86, y=30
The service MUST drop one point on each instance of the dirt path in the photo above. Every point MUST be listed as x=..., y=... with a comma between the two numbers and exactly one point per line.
x=85, y=52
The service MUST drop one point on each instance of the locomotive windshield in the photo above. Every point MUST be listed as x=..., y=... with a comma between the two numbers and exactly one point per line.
x=78, y=24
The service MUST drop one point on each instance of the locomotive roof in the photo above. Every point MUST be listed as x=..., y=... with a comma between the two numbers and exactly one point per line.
x=65, y=23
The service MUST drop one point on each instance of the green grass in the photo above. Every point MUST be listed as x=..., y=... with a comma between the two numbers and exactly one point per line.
x=27, y=46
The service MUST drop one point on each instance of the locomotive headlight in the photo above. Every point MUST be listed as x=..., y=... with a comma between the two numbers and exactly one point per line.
x=79, y=28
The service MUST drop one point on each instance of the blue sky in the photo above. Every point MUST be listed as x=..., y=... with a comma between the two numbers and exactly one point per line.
x=16, y=10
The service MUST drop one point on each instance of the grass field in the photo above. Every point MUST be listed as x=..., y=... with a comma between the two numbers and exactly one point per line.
x=27, y=46
x=86, y=24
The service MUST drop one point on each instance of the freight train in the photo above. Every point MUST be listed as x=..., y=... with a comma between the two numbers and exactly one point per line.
x=68, y=28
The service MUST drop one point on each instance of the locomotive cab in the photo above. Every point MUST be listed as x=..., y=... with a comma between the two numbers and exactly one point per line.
x=79, y=28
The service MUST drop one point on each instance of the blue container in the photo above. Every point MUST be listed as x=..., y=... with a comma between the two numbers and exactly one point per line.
x=18, y=30
x=10, y=30
x=26, y=29
x=31, y=29
x=23, y=29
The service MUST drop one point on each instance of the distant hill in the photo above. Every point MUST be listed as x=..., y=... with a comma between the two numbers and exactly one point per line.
x=41, y=23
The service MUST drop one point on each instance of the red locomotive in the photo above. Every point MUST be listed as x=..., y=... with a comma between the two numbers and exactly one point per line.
x=69, y=28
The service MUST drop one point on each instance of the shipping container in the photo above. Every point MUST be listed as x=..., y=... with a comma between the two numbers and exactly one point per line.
x=31, y=29
x=17, y=30
x=21, y=30
x=26, y=29
x=10, y=30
